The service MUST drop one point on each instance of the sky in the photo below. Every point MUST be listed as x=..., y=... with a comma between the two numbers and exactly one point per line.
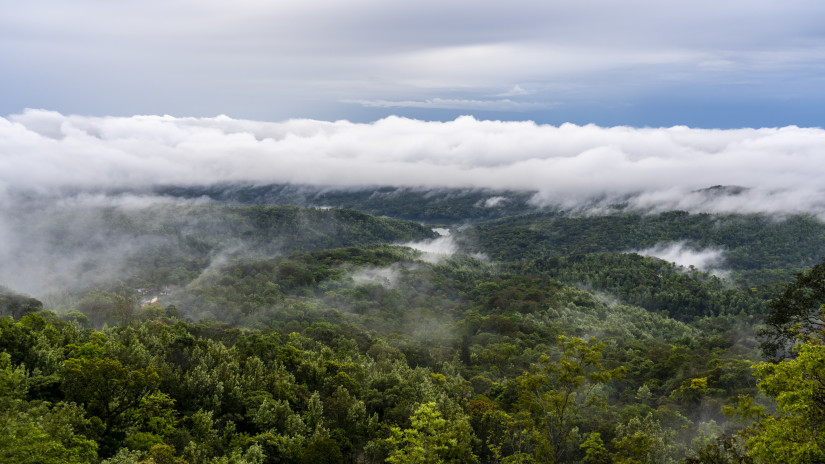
x=641, y=63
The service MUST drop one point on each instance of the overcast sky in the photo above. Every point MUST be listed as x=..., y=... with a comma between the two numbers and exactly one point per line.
x=709, y=64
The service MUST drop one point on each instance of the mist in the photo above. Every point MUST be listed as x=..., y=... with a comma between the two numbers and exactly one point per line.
x=435, y=250
x=682, y=254
x=59, y=244
x=386, y=276
x=568, y=166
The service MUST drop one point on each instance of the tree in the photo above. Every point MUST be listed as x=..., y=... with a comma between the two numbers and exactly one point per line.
x=35, y=432
x=644, y=441
x=106, y=386
x=554, y=393
x=798, y=311
x=431, y=439
x=16, y=305
x=594, y=450
x=795, y=434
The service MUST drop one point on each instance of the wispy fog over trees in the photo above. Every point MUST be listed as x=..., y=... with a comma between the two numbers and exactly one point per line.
x=187, y=327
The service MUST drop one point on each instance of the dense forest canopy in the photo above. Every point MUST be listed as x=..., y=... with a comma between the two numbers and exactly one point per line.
x=214, y=326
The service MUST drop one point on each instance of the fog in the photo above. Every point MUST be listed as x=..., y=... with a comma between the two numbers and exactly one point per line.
x=706, y=259
x=568, y=166
x=386, y=277
x=436, y=250
x=54, y=168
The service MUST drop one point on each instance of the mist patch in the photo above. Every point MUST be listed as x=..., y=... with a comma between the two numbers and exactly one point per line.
x=706, y=259
x=386, y=277
x=436, y=250
x=493, y=202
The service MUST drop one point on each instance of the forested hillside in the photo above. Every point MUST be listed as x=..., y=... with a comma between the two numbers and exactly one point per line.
x=758, y=248
x=268, y=334
x=427, y=205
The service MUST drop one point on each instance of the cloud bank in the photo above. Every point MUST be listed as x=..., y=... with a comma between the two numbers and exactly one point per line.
x=569, y=166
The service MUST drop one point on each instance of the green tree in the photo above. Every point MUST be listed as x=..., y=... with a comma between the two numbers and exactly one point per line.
x=555, y=392
x=795, y=434
x=36, y=433
x=594, y=450
x=797, y=311
x=106, y=386
x=431, y=439
x=644, y=441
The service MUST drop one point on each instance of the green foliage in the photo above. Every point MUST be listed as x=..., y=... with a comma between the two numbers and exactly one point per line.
x=16, y=305
x=594, y=450
x=796, y=432
x=105, y=386
x=417, y=204
x=644, y=441
x=36, y=432
x=757, y=246
x=431, y=439
x=317, y=341
x=650, y=283
x=554, y=393
x=798, y=311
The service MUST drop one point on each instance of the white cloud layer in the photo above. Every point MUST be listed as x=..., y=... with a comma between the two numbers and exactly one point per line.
x=571, y=166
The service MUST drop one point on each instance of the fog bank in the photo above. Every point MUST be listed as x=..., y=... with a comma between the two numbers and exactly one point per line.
x=569, y=166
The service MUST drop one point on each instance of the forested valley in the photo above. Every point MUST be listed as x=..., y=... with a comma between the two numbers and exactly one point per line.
x=230, y=330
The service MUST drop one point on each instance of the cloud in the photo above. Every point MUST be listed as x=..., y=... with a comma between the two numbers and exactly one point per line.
x=707, y=259
x=459, y=104
x=435, y=250
x=568, y=166
x=516, y=91
x=386, y=277
x=492, y=202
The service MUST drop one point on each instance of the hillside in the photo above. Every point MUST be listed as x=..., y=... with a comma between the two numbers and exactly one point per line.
x=212, y=334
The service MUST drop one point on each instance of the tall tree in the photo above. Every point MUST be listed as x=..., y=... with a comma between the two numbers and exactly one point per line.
x=798, y=311
x=554, y=393
x=795, y=433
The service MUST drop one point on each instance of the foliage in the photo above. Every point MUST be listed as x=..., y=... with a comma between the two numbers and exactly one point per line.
x=796, y=312
x=285, y=334
x=756, y=247
x=796, y=432
x=553, y=393
x=15, y=305
x=416, y=204
x=431, y=439
x=651, y=283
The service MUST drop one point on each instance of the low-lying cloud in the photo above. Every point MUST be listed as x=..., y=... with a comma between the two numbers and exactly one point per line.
x=435, y=250
x=386, y=276
x=568, y=166
x=706, y=259
x=492, y=202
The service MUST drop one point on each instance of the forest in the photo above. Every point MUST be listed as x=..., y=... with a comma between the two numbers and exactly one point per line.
x=232, y=329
